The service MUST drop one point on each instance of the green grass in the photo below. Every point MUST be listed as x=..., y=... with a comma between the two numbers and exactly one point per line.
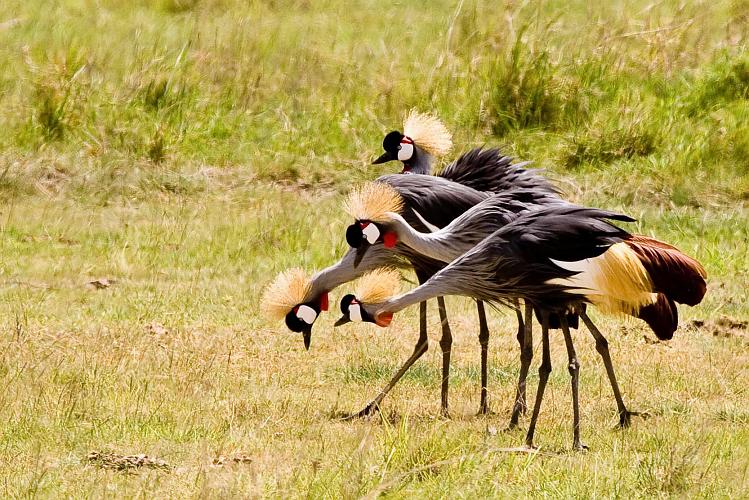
x=190, y=149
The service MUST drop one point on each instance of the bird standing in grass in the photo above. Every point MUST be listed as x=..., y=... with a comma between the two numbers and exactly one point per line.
x=559, y=259
x=492, y=214
x=371, y=205
x=429, y=201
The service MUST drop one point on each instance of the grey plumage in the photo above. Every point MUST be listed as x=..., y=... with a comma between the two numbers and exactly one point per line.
x=490, y=170
x=515, y=261
x=439, y=200
x=472, y=226
x=518, y=261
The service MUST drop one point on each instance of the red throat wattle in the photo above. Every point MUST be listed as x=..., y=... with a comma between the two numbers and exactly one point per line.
x=384, y=319
x=389, y=239
x=324, y=301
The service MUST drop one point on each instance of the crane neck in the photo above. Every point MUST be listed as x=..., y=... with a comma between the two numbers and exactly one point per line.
x=419, y=294
x=420, y=163
x=441, y=245
x=344, y=270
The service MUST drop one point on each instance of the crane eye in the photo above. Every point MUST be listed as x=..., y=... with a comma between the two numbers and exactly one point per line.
x=354, y=235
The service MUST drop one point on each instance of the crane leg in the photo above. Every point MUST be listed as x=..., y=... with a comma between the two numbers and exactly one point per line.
x=574, y=369
x=422, y=345
x=543, y=376
x=446, y=342
x=484, y=343
x=602, y=346
x=526, y=356
x=521, y=343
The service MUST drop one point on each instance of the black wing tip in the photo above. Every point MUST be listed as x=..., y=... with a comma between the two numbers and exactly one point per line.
x=621, y=217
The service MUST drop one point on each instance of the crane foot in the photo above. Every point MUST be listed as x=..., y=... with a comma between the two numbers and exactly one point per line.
x=484, y=410
x=625, y=418
x=369, y=411
x=580, y=447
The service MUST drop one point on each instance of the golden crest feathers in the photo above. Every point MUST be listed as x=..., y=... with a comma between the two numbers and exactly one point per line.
x=372, y=201
x=289, y=289
x=428, y=132
x=377, y=286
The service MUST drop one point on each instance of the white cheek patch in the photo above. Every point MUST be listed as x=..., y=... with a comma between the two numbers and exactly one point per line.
x=306, y=314
x=371, y=233
x=354, y=312
x=406, y=151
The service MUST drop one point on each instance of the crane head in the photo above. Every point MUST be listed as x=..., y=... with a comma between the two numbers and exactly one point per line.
x=423, y=136
x=397, y=147
x=372, y=291
x=371, y=206
x=302, y=317
x=364, y=233
x=288, y=298
x=355, y=311
x=352, y=311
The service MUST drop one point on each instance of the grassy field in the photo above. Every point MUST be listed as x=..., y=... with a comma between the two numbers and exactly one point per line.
x=188, y=150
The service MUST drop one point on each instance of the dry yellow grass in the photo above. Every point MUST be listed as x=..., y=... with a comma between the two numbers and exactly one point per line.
x=181, y=153
x=84, y=370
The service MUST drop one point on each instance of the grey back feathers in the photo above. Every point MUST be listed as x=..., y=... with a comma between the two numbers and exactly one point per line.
x=515, y=261
x=472, y=226
x=489, y=170
x=462, y=185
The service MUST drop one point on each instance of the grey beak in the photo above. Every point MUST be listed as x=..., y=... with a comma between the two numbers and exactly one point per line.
x=384, y=158
x=342, y=321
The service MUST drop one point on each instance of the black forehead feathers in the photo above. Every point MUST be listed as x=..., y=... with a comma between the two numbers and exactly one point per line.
x=392, y=141
x=354, y=235
x=345, y=302
x=293, y=323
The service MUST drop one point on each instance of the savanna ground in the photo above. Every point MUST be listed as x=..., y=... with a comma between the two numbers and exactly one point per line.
x=188, y=150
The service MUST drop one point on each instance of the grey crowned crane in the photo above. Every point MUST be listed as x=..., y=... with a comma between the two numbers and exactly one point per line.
x=493, y=213
x=374, y=223
x=559, y=259
x=429, y=201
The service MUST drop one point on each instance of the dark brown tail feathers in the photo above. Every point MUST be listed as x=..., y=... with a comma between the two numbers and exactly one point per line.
x=678, y=276
x=662, y=317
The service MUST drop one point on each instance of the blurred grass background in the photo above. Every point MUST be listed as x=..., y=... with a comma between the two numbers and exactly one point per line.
x=187, y=150
x=652, y=94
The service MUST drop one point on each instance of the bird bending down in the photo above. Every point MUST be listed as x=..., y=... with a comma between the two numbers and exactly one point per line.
x=492, y=214
x=474, y=176
x=375, y=224
x=423, y=139
x=559, y=259
x=441, y=200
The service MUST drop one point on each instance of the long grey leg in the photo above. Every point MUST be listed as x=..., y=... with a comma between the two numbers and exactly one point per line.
x=602, y=346
x=574, y=369
x=484, y=343
x=421, y=347
x=446, y=343
x=526, y=356
x=543, y=376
